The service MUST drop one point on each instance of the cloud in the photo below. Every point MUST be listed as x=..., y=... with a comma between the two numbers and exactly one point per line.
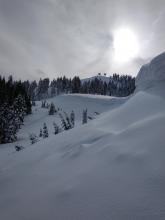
x=55, y=37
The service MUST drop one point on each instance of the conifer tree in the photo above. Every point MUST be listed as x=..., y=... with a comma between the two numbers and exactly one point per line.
x=11, y=126
x=8, y=125
x=72, y=118
x=84, y=120
x=64, y=124
x=33, y=138
x=28, y=105
x=52, y=109
x=45, y=131
x=56, y=128
x=40, y=135
x=20, y=109
x=68, y=121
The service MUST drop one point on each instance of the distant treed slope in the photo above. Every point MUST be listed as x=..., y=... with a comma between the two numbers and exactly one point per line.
x=115, y=85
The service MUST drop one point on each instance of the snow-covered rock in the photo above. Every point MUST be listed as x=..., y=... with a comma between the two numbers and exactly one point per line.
x=151, y=74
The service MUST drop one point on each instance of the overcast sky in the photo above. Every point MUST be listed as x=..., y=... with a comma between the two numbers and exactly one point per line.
x=40, y=38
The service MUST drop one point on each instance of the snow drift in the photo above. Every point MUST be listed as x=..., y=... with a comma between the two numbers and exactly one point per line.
x=151, y=74
x=110, y=168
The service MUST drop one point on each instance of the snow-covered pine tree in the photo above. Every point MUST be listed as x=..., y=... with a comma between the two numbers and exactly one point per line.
x=52, y=109
x=12, y=126
x=8, y=127
x=85, y=117
x=28, y=105
x=40, y=135
x=56, y=128
x=33, y=138
x=45, y=131
x=64, y=124
x=53, y=90
x=3, y=122
x=72, y=118
x=68, y=121
x=43, y=104
x=20, y=109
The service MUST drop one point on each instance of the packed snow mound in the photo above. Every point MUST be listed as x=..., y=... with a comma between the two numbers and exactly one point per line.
x=151, y=74
x=139, y=107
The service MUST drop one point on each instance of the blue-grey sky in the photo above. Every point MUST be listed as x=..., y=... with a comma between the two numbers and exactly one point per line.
x=40, y=38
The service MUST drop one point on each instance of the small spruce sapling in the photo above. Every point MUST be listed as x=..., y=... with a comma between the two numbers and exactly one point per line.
x=68, y=121
x=52, y=109
x=63, y=122
x=56, y=128
x=72, y=119
x=33, y=138
x=85, y=116
x=45, y=131
x=40, y=135
x=43, y=104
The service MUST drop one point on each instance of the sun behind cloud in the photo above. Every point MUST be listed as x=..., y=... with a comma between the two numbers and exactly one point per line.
x=126, y=45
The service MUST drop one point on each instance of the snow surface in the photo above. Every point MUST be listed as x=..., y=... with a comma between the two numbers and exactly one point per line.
x=152, y=73
x=76, y=102
x=111, y=168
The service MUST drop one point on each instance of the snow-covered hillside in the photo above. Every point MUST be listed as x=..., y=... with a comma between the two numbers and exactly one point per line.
x=77, y=102
x=111, y=168
x=100, y=77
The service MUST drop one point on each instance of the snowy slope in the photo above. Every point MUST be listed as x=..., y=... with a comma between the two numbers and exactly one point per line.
x=92, y=172
x=111, y=168
x=76, y=102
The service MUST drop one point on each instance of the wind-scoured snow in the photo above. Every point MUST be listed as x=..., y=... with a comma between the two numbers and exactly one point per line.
x=111, y=168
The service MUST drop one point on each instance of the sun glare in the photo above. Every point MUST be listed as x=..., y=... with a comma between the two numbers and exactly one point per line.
x=126, y=45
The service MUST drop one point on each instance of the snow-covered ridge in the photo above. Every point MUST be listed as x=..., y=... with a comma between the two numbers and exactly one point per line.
x=100, y=77
x=152, y=73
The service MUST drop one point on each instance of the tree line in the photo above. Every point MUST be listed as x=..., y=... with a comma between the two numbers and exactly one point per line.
x=114, y=85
